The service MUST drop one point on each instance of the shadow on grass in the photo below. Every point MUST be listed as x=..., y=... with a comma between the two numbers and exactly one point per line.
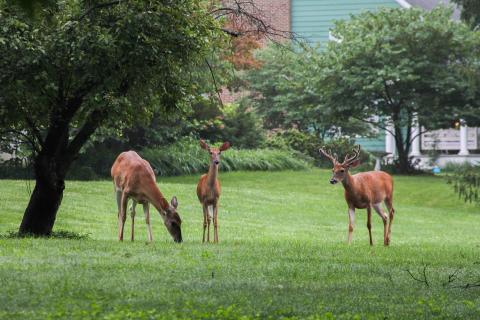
x=60, y=234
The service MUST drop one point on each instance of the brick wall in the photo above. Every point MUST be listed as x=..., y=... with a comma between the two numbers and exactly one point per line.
x=275, y=13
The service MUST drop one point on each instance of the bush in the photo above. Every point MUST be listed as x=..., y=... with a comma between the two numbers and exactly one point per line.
x=83, y=173
x=15, y=169
x=186, y=157
x=465, y=179
x=307, y=144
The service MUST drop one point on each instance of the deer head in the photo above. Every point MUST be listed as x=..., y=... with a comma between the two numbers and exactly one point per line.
x=340, y=170
x=215, y=152
x=172, y=220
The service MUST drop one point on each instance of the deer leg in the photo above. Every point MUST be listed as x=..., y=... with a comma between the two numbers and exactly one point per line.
x=205, y=218
x=132, y=214
x=351, y=222
x=122, y=216
x=369, y=224
x=146, y=211
x=118, y=195
x=215, y=223
x=379, y=210
x=208, y=223
x=391, y=211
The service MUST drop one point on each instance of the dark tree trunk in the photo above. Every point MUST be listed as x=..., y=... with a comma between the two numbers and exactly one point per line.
x=403, y=143
x=39, y=217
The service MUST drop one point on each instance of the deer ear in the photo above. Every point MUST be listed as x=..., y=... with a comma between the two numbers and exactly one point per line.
x=174, y=202
x=164, y=203
x=204, y=145
x=354, y=163
x=224, y=146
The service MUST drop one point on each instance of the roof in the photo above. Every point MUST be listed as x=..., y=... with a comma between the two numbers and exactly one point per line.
x=430, y=4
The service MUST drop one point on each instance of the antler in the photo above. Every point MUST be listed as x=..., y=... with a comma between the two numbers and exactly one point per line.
x=328, y=154
x=349, y=159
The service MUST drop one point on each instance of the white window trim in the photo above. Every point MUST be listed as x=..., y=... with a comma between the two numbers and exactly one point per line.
x=331, y=37
x=404, y=4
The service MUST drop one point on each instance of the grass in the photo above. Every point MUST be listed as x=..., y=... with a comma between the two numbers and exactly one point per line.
x=282, y=253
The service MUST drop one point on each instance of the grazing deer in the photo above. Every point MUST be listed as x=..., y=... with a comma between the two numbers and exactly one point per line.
x=208, y=190
x=364, y=190
x=134, y=178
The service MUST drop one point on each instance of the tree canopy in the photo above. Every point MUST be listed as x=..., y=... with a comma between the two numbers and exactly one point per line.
x=401, y=66
x=283, y=93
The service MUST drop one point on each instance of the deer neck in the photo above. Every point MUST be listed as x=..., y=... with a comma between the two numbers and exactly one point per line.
x=212, y=175
x=156, y=198
x=348, y=182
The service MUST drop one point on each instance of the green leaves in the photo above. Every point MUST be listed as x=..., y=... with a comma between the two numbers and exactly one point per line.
x=126, y=59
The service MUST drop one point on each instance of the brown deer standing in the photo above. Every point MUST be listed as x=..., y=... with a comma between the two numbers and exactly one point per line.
x=364, y=190
x=134, y=178
x=208, y=190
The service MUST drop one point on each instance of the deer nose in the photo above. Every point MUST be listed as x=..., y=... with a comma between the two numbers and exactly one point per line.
x=333, y=181
x=216, y=162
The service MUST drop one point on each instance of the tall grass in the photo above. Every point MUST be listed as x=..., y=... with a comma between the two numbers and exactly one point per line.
x=186, y=157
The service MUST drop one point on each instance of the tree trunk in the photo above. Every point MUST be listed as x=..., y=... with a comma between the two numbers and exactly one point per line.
x=39, y=217
x=402, y=148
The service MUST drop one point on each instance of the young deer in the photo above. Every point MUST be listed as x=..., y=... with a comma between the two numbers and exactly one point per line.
x=364, y=190
x=134, y=178
x=208, y=190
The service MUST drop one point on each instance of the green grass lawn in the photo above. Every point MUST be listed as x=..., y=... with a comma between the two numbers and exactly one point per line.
x=282, y=253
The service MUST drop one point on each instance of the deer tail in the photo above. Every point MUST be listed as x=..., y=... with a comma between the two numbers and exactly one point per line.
x=210, y=211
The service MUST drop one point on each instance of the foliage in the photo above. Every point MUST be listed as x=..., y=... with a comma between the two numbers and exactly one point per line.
x=186, y=157
x=470, y=11
x=282, y=93
x=401, y=65
x=241, y=126
x=465, y=179
x=93, y=64
x=15, y=169
x=282, y=255
x=292, y=139
x=342, y=147
x=309, y=145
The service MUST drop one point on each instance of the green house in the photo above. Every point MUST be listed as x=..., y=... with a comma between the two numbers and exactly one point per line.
x=312, y=20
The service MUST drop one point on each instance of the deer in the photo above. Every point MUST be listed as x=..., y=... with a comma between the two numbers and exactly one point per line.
x=365, y=190
x=133, y=178
x=208, y=190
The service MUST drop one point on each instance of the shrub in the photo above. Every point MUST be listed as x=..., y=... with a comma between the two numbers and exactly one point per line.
x=13, y=169
x=309, y=145
x=83, y=173
x=186, y=157
x=465, y=179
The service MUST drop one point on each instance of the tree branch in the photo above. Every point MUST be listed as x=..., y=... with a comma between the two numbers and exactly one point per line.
x=374, y=123
x=424, y=279
x=248, y=14
x=214, y=82
x=27, y=138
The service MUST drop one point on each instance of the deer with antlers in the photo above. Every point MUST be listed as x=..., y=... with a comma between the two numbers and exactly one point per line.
x=363, y=191
x=133, y=177
x=208, y=190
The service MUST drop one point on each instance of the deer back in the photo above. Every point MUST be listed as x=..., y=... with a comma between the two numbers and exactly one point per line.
x=131, y=173
x=367, y=188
